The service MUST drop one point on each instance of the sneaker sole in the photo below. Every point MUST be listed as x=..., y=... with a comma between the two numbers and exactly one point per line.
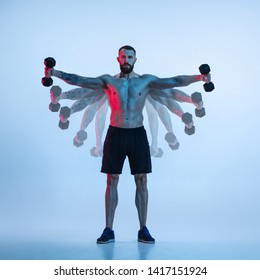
x=105, y=242
x=145, y=241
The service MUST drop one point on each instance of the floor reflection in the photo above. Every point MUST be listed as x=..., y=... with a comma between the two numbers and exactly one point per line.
x=128, y=250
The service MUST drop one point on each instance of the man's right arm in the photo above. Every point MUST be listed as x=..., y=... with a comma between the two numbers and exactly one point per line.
x=76, y=80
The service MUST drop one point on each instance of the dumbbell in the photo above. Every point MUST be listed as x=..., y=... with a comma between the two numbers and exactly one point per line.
x=80, y=137
x=204, y=70
x=172, y=141
x=64, y=115
x=55, y=93
x=189, y=127
x=197, y=98
x=93, y=152
x=49, y=62
x=154, y=154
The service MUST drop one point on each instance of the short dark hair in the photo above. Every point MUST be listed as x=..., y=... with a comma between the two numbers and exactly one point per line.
x=127, y=47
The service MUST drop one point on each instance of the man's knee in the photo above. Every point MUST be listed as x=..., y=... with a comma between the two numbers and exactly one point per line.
x=140, y=179
x=112, y=179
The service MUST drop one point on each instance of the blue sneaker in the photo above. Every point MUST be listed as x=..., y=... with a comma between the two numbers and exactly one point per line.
x=107, y=236
x=144, y=236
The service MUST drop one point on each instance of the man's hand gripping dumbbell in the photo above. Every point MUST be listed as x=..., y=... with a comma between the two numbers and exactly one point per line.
x=49, y=63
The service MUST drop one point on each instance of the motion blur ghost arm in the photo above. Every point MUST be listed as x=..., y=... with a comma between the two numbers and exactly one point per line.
x=166, y=120
x=100, y=124
x=166, y=98
x=98, y=108
x=175, y=94
x=153, y=123
x=87, y=118
x=82, y=103
x=79, y=93
x=162, y=112
x=180, y=96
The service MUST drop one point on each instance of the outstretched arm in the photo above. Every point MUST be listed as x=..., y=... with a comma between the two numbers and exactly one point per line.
x=73, y=79
x=178, y=81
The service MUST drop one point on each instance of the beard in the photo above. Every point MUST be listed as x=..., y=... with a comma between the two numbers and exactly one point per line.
x=126, y=68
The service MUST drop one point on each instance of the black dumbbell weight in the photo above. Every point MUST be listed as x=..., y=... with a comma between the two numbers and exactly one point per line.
x=172, y=141
x=55, y=93
x=49, y=62
x=79, y=139
x=189, y=127
x=204, y=70
x=64, y=115
x=197, y=98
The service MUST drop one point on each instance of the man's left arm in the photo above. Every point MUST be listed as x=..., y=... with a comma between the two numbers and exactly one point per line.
x=178, y=81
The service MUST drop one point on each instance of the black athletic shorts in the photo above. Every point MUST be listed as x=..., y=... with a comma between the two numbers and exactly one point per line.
x=122, y=142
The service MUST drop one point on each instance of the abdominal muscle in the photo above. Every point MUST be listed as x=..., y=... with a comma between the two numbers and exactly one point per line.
x=128, y=120
x=129, y=112
x=126, y=99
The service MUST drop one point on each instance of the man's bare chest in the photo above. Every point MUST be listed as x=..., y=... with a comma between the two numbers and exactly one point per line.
x=126, y=89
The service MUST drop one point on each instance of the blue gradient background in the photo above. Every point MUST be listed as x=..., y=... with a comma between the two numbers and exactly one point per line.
x=205, y=194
